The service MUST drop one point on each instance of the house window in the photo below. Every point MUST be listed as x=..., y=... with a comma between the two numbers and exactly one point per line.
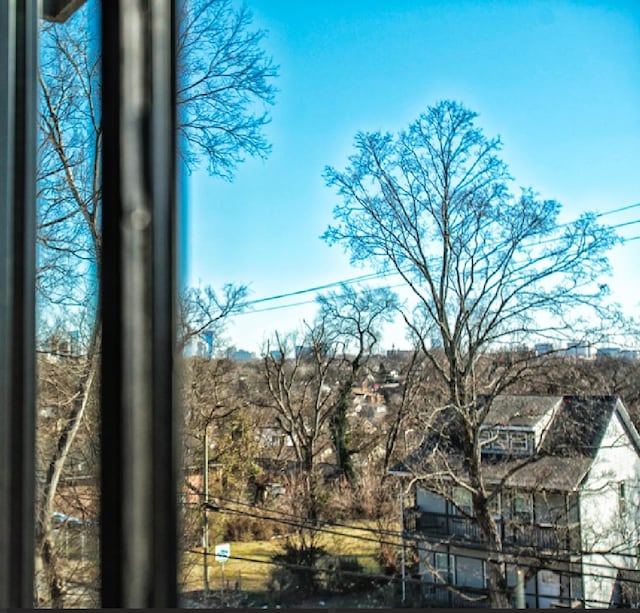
x=519, y=441
x=504, y=440
x=523, y=507
x=462, y=503
x=622, y=497
x=495, y=506
x=445, y=567
x=470, y=571
x=486, y=436
x=501, y=440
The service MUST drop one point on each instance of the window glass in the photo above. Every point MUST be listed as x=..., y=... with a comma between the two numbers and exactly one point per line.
x=470, y=571
x=523, y=507
x=495, y=505
x=462, y=501
x=68, y=328
x=549, y=508
x=445, y=565
x=519, y=441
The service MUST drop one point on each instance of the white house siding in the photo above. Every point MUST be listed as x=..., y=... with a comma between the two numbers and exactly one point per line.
x=605, y=526
x=541, y=426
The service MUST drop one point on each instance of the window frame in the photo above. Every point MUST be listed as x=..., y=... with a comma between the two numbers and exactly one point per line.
x=448, y=569
x=139, y=434
x=622, y=498
x=18, y=120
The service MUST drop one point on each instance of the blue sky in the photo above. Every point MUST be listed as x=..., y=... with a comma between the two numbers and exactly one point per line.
x=559, y=81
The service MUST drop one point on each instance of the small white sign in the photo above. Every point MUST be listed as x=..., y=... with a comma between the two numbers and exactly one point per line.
x=222, y=552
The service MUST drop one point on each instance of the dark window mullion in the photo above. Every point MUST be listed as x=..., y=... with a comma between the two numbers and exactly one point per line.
x=18, y=64
x=139, y=535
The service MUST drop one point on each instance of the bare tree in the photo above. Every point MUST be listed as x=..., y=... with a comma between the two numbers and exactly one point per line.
x=485, y=267
x=225, y=77
x=352, y=320
x=203, y=310
x=226, y=85
x=300, y=390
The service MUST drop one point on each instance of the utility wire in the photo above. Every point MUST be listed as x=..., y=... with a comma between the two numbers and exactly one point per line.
x=303, y=523
x=349, y=281
x=379, y=275
x=410, y=579
x=619, y=210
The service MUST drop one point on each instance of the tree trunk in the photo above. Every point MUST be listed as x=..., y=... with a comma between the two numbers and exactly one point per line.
x=51, y=582
x=496, y=568
x=497, y=584
x=339, y=427
x=311, y=486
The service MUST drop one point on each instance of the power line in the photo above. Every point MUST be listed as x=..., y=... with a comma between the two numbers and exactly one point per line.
x=331, y=524
x=305, y=302
x=410, y=580
x=619, y=210
x=314, y=289
x=297, y=521
x=626, y=223
x=518, y=561
x=379, y=275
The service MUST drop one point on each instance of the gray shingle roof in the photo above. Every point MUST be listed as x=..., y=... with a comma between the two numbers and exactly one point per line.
x=566, y=453
x=520, y=410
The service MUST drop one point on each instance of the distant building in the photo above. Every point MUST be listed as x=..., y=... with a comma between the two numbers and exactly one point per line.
x=543, y=348
x=399, y=354
x=308, y=352
x=304, y=352
x=579, y=349
x=611, y=352
x=200, y=346
x=207, y=339
x=242, y=355
x=62, y=346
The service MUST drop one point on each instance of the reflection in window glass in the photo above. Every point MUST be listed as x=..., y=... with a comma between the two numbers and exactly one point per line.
x=462, y=501
x=445, y=565
x=68, y=328
x=523, y=507
x=472, y=571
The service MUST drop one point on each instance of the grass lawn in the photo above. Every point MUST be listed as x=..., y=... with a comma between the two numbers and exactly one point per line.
x=249, y=563
x=252, y=576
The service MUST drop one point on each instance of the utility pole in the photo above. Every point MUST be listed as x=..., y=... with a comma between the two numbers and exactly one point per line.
x=404, y=577
x=205, y=519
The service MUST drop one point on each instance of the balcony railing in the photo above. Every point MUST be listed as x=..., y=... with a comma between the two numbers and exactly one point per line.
x=465, y=529
x=463, y=598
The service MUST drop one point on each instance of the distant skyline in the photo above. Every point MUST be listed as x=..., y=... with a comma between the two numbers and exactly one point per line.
x=558, y=81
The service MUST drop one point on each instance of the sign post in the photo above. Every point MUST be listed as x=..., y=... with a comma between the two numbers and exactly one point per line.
x=222, y=553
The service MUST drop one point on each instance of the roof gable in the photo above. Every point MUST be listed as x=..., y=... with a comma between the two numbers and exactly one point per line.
x=579, y=426
x=566, y=452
